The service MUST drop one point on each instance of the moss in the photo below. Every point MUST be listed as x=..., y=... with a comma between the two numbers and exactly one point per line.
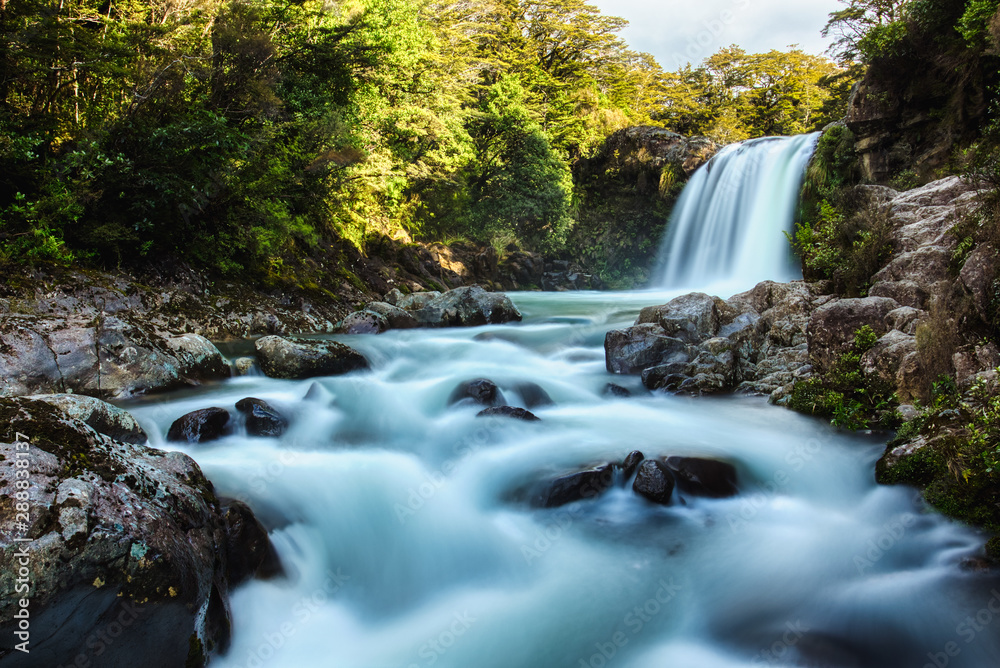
x=196, y=653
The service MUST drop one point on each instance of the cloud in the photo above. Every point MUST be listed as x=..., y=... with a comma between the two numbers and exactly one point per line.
x=681, y=31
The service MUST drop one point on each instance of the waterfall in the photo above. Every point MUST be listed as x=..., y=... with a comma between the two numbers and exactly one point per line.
x=728, y=223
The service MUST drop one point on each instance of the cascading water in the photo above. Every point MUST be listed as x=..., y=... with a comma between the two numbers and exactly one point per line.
x=728, y=224
x=405, y=546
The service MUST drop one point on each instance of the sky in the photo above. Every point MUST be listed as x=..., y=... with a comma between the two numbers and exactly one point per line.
x=681, y=31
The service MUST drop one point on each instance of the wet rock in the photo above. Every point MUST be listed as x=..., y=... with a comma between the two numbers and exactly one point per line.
x=654, y=481
x=509, y=412
x=631, y=463
x=577, y=486
x=612, y=390
x=117, y=532
x=248, y=549
x=363, y=322
x=468, y=307
x=632, y=350
x=533, y=395
x=416, y=300
x=481, y=391
x=262, y=419
x=297, y=358
x=244, y=366
x=703, y=477
x=202, y=426
x=101, y=416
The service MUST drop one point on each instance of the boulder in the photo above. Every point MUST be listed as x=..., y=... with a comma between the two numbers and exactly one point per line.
x=886, y=358
x=481, y=391
x=509, y=412
x=262, y=419
x=201, y=426
x=612, y=390
x=117, y=533
x=703, y=477
x=468, y=307
x=396, y=317
x=654, y=481
x=101, y=416
x=632, y=350
x=630, y=464
x=244, y=366
x=415, y=301
x=248, y=548
x=363, y=322
x=832, y=326
x=297, y=358
x=979, y=276
x=691, y=318
x=576, y=486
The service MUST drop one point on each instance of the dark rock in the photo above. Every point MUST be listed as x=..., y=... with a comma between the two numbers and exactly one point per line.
x=416, y=300
x=296, y=358
x=480, y=391
x=533, y=395
x=704, y=477
x=363, y=322
x=654, y=481
x=117, y=532
x=577, y=486
x=612, y=390
x=631, y=463
x=396, y=317
x=262, y=418
x=248, y=549
x=632, y=350
x=832, y=326
x=102, y=417
x=207, y=424
x=510, y=412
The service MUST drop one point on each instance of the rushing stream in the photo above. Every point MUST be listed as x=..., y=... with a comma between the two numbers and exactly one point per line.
x=397, y=522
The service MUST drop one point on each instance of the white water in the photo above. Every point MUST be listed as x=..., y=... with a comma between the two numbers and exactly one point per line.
x=391, y=515
x=728, y=225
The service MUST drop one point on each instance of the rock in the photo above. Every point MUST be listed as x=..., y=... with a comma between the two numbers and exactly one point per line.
x=468, y=307
x=363, y=322
x=577, y=486
x=654, y=481
x=396, y=317
x=207, y=424
x=703, y=477
x=509, y=412
x=248, y=549
x=612, y=390
x=885, y=360
x=118, y=532
x=198, y=357
x=393, y=297
x=908, y=412
x=101, y=416
x=244, y=366
x=629, y=351
x=691, y=318
x=904, y=319
x=297, y=358
x=480, y=391
x=631, y=463
x=262, y=419
x=532, y=395
x=416, y=300
x=979, y=276
x=832, y=326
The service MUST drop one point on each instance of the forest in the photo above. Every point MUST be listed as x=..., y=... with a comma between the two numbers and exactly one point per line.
x=240, y=137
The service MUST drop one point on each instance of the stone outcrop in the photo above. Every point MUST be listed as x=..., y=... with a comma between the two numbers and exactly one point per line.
x=115, y=533
x=462, y=307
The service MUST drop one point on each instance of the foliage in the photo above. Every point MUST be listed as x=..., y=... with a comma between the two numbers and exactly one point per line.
x=866, y=29
x=851, y=397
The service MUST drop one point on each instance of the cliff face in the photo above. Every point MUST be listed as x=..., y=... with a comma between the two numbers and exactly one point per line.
x=625, y=195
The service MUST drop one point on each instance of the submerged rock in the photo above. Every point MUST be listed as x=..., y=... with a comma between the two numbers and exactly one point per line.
x=201, y=426
x=480, y=391
x=297, y=358
x=250, y=551
x=631, y=463
x=577, y=486
x=612, y=390
x=262, y=418
x=654, y=481
x=533, y=395
x=704, y=477
x=509, y=412
x=117, y=534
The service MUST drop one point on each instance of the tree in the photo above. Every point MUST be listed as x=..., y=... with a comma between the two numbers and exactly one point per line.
x=861, y=20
